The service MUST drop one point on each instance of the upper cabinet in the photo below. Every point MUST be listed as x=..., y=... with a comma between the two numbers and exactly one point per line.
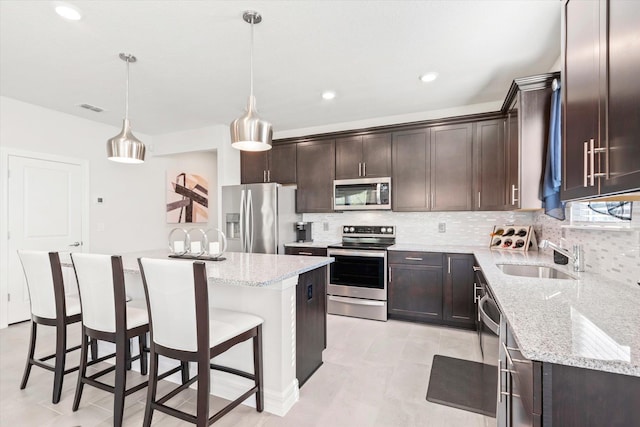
x=276, y=165
x=432, y=169
x=489, y=165
x=316, y=170
x=601, y=58
x=367, y=156
x=528, y=108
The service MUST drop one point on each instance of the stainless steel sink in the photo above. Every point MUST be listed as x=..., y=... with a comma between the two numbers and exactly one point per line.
x=534, y=271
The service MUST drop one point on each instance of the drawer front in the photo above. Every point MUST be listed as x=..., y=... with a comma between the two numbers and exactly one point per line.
x=302, y=250
x=415, y=258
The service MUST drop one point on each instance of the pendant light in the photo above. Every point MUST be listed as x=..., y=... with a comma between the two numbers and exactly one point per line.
x=124, y=147
x=249, y=132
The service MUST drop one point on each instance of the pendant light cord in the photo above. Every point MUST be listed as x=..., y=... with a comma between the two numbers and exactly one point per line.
x=126, y=97
x=251, y=55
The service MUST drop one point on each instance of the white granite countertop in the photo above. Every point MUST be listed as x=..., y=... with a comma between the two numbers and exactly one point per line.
x=241, y=269
x=592, y=322
x=312, y=244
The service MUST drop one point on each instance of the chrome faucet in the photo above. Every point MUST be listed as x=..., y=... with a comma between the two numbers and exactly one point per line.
x=577, y=257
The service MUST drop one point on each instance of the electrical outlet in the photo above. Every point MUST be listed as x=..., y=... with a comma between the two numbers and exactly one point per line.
x=442, y=227
x=325, y=226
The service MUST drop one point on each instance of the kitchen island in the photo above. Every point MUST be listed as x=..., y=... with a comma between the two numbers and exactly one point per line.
x=264, y=285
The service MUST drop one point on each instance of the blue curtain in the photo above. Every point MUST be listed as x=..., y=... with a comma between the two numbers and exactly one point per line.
x=550, y=194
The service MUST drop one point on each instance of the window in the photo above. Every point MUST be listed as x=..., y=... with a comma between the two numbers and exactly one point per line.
x=602, y=212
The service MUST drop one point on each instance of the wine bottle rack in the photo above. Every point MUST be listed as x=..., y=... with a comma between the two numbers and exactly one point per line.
x=513, y=238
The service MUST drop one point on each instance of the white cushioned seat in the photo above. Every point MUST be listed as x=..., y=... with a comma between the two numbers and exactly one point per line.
x=72, y=305
x=136, y=317
x=226, y=324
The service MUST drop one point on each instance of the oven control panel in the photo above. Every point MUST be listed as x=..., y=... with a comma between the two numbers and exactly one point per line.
x=369, y=230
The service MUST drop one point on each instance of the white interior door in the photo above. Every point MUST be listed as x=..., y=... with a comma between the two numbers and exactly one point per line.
x=44, y=213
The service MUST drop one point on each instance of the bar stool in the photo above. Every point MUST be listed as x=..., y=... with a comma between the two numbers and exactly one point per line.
x=185, y=328
x=49, y=306
x=107, y=317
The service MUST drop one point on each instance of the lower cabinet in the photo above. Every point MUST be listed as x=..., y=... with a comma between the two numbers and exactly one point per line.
x=459, y=301
x=431, y=287
x=549, y=395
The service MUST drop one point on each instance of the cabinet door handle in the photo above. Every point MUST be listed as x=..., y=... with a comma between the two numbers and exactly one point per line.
x=449, y=264
x=513, y=194
x=476, y=268
x=269, y=175
x=592, y=162
x=364, y=169
x=264, y=176
x=585, y=161
x=390, y=275
x=479, y=199
x=305, y=253
x=359, y=169
x=411, y=258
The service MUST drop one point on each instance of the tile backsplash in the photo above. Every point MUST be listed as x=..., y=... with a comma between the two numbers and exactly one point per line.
x=614, y=253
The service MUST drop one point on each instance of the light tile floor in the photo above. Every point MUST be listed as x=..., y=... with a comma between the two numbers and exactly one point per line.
x=374, y=374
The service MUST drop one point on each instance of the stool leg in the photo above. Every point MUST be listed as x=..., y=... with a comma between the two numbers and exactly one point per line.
x=153, y=387
x=94, y=348
x=123, y=350
x=82, y=371
x=61, y=355
x=142, y=341
x=257, y=368
x=204, y=378
x=185, y=372
x=30, y=353
x=128, y=355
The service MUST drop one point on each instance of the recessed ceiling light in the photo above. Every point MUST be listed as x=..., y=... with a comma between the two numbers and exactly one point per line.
x=428, y=77
x=328, y=94
x=68, y=11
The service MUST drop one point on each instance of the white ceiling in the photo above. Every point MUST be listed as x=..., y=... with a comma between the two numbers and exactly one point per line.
x=193, y=58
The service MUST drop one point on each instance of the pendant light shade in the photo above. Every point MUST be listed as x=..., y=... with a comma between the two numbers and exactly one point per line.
x=249, y=132
x=125, y=147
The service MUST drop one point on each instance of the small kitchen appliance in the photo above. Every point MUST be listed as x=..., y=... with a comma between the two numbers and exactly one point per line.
x=303, y=231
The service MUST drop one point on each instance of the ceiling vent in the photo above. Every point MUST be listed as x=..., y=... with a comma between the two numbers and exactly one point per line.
x=91, y=107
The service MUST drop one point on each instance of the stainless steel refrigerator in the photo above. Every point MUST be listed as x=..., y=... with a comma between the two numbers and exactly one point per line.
x=259, y=218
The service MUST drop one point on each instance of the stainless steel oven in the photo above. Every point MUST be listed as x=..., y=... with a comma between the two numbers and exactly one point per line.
x=358, y=276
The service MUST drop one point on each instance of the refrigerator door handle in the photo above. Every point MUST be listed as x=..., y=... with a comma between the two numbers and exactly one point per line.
x=242, y=218
x=249, y=222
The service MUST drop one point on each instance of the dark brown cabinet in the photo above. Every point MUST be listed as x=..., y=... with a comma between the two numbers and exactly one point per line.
x=451, y=171
x=601, y=52
x=459, y=302
x=432, y=169
x=415, y=286
x=411, y=179
x=528, y=109
x=366, y=156
x=431, y=287
x=315, y=170
x=276, y=165
x=305, y=250
x=311, y=322
x=489, y=165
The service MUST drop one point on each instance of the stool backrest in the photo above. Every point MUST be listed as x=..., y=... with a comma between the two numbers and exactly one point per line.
x=101, y=285
x=44, y=280
x=176, y=291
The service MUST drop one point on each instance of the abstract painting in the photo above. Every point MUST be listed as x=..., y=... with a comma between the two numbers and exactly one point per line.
x=187, y=198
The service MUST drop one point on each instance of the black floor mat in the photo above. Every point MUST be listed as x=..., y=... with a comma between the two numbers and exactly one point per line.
x=463, y=384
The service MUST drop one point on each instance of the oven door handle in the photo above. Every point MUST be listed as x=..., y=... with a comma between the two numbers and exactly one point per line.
x=493, y=326
x=356, y=301
x=352, y=252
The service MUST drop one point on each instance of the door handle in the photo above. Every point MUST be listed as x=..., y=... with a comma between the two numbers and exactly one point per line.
x=364, y=169
x=359, y=169
x=76, y=244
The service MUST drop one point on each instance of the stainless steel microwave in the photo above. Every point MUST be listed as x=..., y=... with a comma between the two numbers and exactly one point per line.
x=362, y=194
